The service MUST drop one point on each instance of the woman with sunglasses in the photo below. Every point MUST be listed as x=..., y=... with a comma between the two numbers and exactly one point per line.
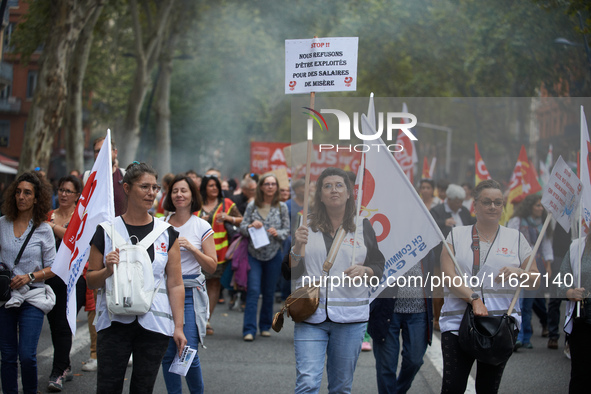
x=270, y=214
x=484, y=251
x=69, y=189
x=146, y=336
x=217, y=211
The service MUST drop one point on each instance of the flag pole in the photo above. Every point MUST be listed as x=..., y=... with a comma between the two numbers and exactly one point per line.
x=359, y=197
x=580, y=257
x=532, y=257
x=307, y=177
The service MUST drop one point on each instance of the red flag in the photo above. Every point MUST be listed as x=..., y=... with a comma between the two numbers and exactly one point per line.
x=524, y=180
x=426, y=170
x=480, y=173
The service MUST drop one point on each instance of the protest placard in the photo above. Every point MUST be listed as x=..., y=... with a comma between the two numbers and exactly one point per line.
x=321, y=65
x=562, y=194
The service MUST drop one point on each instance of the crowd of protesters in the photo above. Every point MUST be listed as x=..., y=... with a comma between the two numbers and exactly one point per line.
x=207, y=221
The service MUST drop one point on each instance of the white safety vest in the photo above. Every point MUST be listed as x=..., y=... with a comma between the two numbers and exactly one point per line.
x=159, y=317
x=504, y=252
x=342, y=302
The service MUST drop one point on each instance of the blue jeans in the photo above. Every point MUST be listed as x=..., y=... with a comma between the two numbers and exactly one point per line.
x=262, y=279
x=528, y=305
x=194, y=377
x=20, y=329
x=339, y=343
x=414, y=344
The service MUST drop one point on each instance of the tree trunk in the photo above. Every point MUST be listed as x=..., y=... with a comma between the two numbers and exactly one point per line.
x=68, y=17
x=73, y=119
x=147, y=51
x=162, y=107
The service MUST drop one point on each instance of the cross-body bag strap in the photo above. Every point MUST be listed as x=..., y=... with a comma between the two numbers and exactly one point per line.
x=334, y=249
x=20, y=253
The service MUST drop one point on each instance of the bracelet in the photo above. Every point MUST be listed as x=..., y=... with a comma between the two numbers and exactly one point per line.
x=294, y=253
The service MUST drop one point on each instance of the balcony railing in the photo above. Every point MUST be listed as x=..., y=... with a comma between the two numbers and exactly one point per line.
x=11, y=104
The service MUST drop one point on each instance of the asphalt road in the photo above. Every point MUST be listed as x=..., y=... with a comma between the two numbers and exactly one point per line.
x=267, y=365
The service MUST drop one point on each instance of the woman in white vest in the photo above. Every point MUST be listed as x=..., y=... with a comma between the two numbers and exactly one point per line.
x=145, y=335
x=336, y=330
x=490, y=253
x=197, y=254
x=579, y=328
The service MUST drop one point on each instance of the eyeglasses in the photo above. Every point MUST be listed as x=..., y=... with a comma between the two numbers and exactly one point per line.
x=65, y=191
x=339, y=186
x=146, y=188
x=269, y=184
x=488, y=203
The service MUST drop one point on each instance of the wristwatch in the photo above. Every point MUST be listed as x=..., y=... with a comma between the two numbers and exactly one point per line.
x=31, y=276
x=474, y=297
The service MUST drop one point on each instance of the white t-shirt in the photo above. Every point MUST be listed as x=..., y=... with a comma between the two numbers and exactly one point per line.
x=196, y=230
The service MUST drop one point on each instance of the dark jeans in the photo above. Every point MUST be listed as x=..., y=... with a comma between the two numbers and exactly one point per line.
x=580, y=351
x=414, y=327
x=114, y=346
x=61, y=335
x=457, y=365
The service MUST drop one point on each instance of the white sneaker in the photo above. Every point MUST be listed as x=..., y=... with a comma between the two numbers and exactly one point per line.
x=90, y=366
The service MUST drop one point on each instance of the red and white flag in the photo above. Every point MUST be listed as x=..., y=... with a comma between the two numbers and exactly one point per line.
x=407, y=157
x=405, y=229
x=585, y=173
x=480, y=173
x=95, y=205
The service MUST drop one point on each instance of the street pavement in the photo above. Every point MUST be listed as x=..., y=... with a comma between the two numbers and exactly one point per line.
x=267, y=365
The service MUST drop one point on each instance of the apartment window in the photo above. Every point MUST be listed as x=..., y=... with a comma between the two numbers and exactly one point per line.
x=31, y=83
x=4, y=133
x=8, y=34
x=5, y=93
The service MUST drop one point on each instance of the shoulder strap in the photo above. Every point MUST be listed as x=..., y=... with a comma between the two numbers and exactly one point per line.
x=20, y=252
x=116, y=238
x=334, y=249
x=475, y=251
x=159, y=228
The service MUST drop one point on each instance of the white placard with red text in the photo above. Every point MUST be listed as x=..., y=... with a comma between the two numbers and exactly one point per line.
x=321, y=65
x=562, y=194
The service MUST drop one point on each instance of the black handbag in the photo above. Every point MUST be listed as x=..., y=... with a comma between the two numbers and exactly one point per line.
x=489, y=339
x=6, y=274
x=5, y=284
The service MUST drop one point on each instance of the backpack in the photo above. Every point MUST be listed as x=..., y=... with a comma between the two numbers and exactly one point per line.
x=135, y=277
